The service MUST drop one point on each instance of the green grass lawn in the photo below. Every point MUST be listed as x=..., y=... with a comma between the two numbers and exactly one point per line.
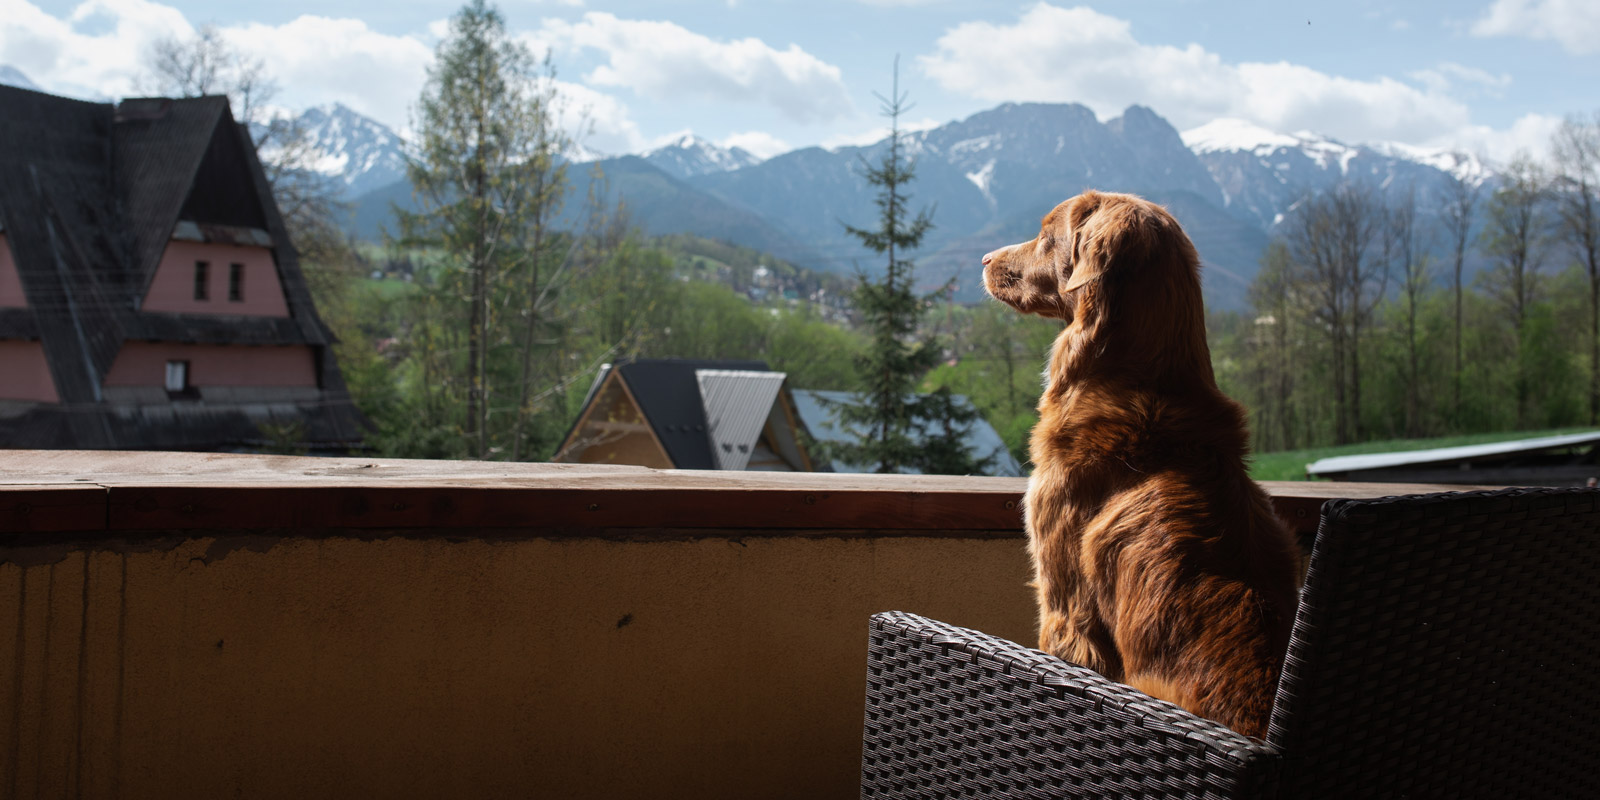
x=387, y=288
x=1290, y=465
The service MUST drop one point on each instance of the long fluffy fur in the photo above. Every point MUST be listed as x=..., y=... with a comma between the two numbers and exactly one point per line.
x=1158, y=562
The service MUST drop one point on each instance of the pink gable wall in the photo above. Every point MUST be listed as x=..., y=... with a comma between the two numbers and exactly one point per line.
x=173, y=287
x=145, y=364
x=25, y=374
x=11, y=295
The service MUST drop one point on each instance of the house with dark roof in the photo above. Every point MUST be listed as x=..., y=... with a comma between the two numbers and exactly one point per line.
x=150, y=297
x=686, y=414
x=738, y=415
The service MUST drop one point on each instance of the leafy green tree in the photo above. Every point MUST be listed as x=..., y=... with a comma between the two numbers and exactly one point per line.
x=1271, y=348
x=998, y=353
x=479, y=172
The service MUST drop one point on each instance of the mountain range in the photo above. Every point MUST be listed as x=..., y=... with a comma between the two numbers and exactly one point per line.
x=988, y=178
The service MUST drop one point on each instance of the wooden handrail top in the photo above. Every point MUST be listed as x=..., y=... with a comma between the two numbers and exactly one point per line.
x=116, y=491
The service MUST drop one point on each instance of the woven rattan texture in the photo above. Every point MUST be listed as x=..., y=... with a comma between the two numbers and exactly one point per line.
x=1446, y=647
x=957, y=713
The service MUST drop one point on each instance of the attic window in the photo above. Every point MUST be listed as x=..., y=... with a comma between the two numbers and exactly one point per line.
x=200, y=270
x=177, y=376
x=235, y=283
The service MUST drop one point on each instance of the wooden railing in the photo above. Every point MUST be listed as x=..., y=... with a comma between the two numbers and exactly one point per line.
x=221, y=625
x=82, y=491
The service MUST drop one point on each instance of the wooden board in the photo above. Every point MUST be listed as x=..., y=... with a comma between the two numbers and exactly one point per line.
x=28, y=508
x=123, y=491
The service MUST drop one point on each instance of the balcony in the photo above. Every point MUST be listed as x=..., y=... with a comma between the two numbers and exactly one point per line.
x=218, y=625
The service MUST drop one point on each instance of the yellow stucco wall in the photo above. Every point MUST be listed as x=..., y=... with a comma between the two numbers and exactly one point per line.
x=688, y=666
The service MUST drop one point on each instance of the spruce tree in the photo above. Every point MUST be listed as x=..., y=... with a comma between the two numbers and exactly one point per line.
x=896, y=427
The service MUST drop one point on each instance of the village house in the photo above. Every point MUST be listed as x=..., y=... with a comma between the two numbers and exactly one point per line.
x=729, y=415
x=150, y=297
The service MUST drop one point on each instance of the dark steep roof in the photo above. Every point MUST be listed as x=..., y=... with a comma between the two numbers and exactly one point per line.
x=669, y=396
x=90, y=194
x=158, y=147
x=55, y=195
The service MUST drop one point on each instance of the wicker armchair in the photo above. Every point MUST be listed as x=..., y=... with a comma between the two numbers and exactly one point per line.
x=1445, y=646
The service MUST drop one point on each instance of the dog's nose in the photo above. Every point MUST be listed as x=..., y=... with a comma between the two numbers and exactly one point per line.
x=989, y=256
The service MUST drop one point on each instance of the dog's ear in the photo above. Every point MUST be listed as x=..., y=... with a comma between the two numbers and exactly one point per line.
x=1086, y=262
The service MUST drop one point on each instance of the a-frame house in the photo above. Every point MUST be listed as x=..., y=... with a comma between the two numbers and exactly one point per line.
x=150, y=297
x=687, y=414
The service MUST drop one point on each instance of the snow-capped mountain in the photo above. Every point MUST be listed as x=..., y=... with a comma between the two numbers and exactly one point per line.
x=689, y=155
x=1262, y=173
x=11, y=76
x=991, y=177
x=358, y=152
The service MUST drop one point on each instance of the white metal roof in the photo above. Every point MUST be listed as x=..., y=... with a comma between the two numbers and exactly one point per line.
x=1446, y=455
x=737, y=404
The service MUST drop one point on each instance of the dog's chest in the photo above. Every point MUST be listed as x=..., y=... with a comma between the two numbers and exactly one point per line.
x=1051, y=507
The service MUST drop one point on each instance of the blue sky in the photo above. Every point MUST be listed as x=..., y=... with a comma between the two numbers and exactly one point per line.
x=1489, y=76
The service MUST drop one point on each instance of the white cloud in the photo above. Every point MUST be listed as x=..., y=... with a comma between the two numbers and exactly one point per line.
x=760, y=144
x=1573, y=23
x=663, y=60
x=599, y=121
x=314, y=59
x=340, y=60
x=60, y=56
x=1529, y=134
x=1449, y=74
x=1080, y=55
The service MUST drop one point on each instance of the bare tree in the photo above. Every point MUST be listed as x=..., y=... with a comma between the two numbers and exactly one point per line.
x=1576, y=146
x=1514, y=238
x=1331, y=237
x=1408, y=246
x=206, y=64
x=546, y=173
x=1460, y=203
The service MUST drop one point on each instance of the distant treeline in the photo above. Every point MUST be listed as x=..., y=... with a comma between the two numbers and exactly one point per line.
x=1362, y=325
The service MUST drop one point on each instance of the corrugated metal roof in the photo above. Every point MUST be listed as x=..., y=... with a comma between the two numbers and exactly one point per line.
x=1446, y=455
x=815, y=413
x=737, y=404
x=669, y=397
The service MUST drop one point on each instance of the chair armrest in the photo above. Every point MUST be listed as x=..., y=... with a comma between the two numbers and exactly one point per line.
x=953, y=712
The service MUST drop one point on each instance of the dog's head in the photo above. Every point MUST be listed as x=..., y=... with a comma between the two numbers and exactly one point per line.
x=1105, y=262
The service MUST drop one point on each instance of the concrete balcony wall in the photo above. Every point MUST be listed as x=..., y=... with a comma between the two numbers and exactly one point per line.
x=209, y=626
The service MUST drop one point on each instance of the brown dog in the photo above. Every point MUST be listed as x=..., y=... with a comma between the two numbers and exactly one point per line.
x=1158, y=562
